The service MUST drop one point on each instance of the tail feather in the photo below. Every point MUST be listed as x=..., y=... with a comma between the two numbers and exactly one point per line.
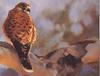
x=22, y=51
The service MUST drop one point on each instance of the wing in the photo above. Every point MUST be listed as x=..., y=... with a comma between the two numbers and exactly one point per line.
x=34, y=35
x=22, y=51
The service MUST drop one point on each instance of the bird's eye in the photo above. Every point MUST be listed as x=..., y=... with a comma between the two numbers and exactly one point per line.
x=28, y=9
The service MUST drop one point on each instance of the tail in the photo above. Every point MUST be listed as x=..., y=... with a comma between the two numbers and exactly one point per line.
x=22, y=51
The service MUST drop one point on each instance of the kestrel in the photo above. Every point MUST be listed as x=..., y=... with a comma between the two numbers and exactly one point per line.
x=21, y=31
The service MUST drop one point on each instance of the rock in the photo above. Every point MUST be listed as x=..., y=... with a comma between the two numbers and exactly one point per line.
x=53, y=64
x=79, y=49
x=6, y=71
x=67, y=61
x=9, y=57
x=90, y=70
x=39, y=69
x=92, y=53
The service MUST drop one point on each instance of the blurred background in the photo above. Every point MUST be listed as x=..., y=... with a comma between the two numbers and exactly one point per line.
x=59, y=23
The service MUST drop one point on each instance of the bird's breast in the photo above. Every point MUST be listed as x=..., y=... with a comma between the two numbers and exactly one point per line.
x=20, y=27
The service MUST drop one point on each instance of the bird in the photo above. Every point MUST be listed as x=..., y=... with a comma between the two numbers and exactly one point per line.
x=20, y=29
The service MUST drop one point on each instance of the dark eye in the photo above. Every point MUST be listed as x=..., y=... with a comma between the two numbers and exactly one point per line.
x=28, y=9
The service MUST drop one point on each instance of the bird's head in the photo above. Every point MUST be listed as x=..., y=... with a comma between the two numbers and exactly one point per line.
x=23, y=7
